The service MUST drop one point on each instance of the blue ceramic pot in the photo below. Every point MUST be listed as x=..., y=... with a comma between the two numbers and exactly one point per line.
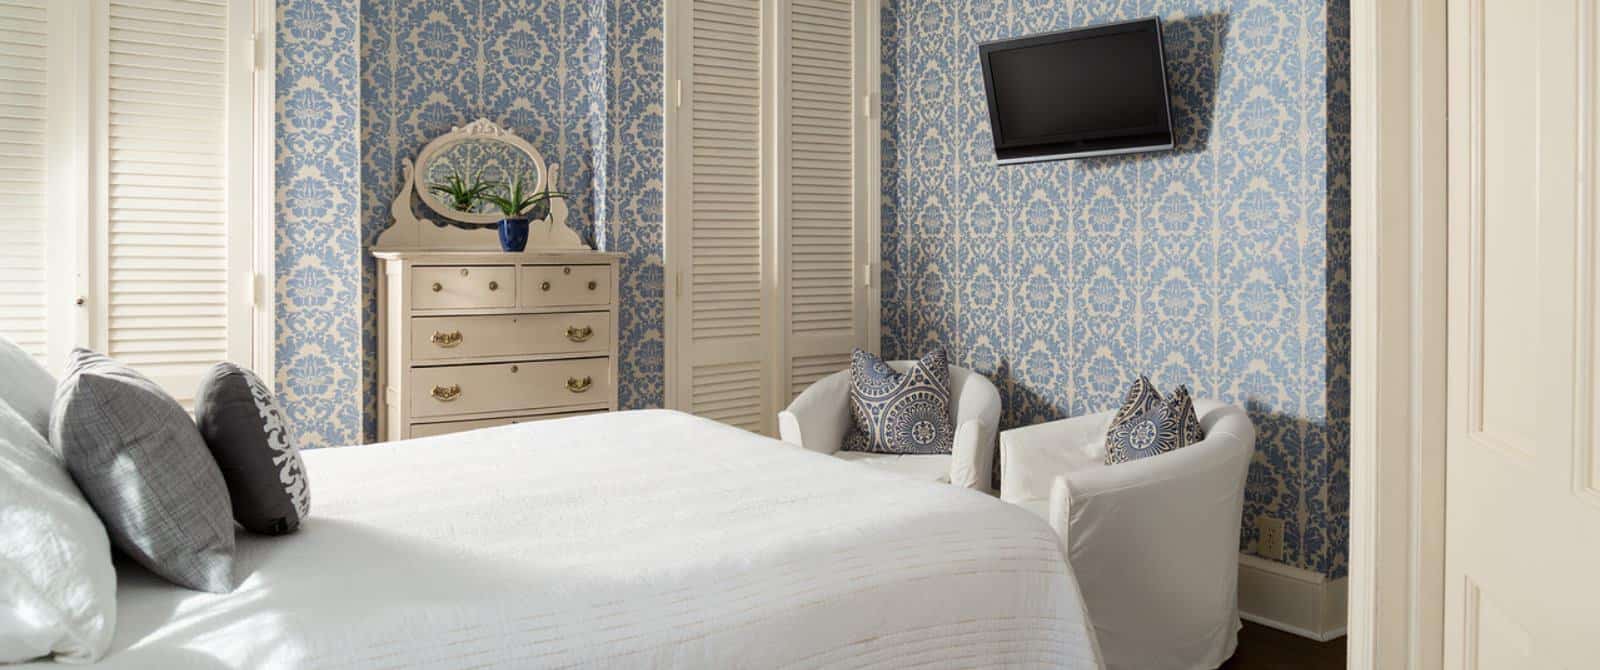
x=513, y=234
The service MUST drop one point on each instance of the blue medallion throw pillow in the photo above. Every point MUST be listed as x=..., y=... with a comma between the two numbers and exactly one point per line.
x=896, y=413
x=1147, y=424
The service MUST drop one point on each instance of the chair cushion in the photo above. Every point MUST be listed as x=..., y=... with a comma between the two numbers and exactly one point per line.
x=926, y=467
x=144, y=467
x=896, y=413
x=250, y=438
x=1148, y=425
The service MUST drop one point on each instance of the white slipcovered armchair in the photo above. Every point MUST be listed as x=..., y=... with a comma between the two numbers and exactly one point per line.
x=820, y=415
x=1154, y=542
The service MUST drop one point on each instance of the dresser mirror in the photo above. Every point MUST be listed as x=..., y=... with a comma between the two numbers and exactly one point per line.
x=485, y=163
x=451, y=176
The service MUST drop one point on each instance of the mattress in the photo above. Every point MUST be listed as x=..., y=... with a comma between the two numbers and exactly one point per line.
x=635, y=539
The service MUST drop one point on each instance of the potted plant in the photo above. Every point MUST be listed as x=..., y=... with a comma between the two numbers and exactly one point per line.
x=515, y=205
x=462, y=194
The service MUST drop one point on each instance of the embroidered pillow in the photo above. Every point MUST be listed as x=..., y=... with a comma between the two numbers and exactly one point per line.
x=250, y=438
x=1147, y=424
x=896, y=413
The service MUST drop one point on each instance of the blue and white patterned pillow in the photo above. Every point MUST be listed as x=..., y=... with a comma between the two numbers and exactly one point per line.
x=1147, y=424
x=894, y=413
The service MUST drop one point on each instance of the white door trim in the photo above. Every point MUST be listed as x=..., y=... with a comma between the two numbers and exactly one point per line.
x=1398, y=336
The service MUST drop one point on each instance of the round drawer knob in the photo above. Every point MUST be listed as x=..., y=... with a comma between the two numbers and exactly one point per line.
x=544, y=286
x=463, y=272
x=592, y=285
x=566, y=271
x=437, y=287
x=494, y=286
x=513, y=369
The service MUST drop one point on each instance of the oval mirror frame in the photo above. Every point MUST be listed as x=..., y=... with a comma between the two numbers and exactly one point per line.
x=477, y=131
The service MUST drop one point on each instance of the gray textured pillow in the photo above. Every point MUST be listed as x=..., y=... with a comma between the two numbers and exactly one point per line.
x=142, y=465
x=250, y=439
x=27, y=387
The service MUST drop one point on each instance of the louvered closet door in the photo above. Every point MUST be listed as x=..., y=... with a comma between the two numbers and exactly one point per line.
x=168, y=240
x=724, y=371
x=23, y=169
x=823, y=222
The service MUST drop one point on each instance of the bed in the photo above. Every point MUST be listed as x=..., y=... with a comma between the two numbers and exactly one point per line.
x=636, y=539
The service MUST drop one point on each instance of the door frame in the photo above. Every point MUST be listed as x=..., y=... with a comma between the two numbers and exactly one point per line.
x=1399, y=160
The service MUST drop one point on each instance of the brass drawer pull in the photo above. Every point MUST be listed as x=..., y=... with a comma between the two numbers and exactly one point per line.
x=437, y=287
x=447, y=393
x=494, y=286
x=592, y=285
x=446, y=340
x=576, y=385
x=544, y=286
x=577, y=334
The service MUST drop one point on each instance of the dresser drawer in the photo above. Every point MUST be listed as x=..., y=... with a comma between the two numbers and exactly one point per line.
x=565, y=285
x=451, y=338
x=507, y=387
x=463, y=287
x=448, y=427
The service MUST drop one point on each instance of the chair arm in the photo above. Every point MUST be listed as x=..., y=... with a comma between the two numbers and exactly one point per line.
x=819, y=416
x=972, y=456
x=1032, y=456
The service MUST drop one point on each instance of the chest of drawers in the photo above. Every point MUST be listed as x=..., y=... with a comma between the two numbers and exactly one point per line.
x=475, y=339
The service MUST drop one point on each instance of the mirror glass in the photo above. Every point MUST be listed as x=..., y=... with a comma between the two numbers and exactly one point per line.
x=447, y=179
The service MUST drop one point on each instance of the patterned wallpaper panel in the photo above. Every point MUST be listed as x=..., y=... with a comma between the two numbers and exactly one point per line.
x=581, y=79
x=1222, y=265
x=318, y=279
x=553, y=71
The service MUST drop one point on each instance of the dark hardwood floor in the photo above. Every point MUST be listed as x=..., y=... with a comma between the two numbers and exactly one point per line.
x=1262, y=648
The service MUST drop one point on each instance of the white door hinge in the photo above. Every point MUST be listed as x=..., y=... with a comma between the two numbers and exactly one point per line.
x=678, y=97
x=258, y=52
x=866, y=106
x=866, y=275
x=258, y=289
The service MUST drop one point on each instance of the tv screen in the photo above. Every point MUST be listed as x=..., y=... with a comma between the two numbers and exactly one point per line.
x=1086, y=92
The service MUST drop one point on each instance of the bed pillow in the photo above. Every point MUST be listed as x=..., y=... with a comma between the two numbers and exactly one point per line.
x=143, y=466
x=1147, y=425
x=29, y=389
x=57, y=587
x=251, y=442
x=894, y=413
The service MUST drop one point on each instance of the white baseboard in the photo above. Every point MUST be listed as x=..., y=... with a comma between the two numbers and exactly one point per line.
x=1291, y=599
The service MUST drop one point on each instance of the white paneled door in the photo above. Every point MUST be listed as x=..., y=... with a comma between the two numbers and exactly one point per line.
x=1522, y=555
x=130, y=176
x=771, y=175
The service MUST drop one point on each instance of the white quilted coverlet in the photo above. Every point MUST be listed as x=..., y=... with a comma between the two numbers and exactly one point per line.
x=638, y=539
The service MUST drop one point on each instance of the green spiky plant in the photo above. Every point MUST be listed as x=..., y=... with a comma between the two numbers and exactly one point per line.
x=514, y=203
x=461, y=193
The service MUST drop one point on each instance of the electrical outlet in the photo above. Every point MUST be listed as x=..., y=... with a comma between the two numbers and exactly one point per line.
x=1269, y=538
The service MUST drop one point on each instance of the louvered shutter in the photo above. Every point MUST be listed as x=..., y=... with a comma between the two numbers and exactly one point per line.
x=724, y=370
x=167, y=247
x=823, y=216
x=23, y=171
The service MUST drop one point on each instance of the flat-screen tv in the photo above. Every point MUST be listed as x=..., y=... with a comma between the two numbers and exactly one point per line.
x=1091, y=91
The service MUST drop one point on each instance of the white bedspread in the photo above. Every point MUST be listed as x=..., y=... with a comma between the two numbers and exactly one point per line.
x=640, y=539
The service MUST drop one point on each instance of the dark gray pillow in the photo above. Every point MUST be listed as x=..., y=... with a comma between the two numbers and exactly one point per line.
x=250, y=439
x=141, y=463
x=26, y=386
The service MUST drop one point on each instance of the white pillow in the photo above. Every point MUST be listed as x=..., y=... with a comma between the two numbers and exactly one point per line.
x=57, y=587
x=28, y=388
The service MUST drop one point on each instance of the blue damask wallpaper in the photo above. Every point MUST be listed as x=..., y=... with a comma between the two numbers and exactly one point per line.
x=1222, y=265
x=581, y=79
x=318, y=279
